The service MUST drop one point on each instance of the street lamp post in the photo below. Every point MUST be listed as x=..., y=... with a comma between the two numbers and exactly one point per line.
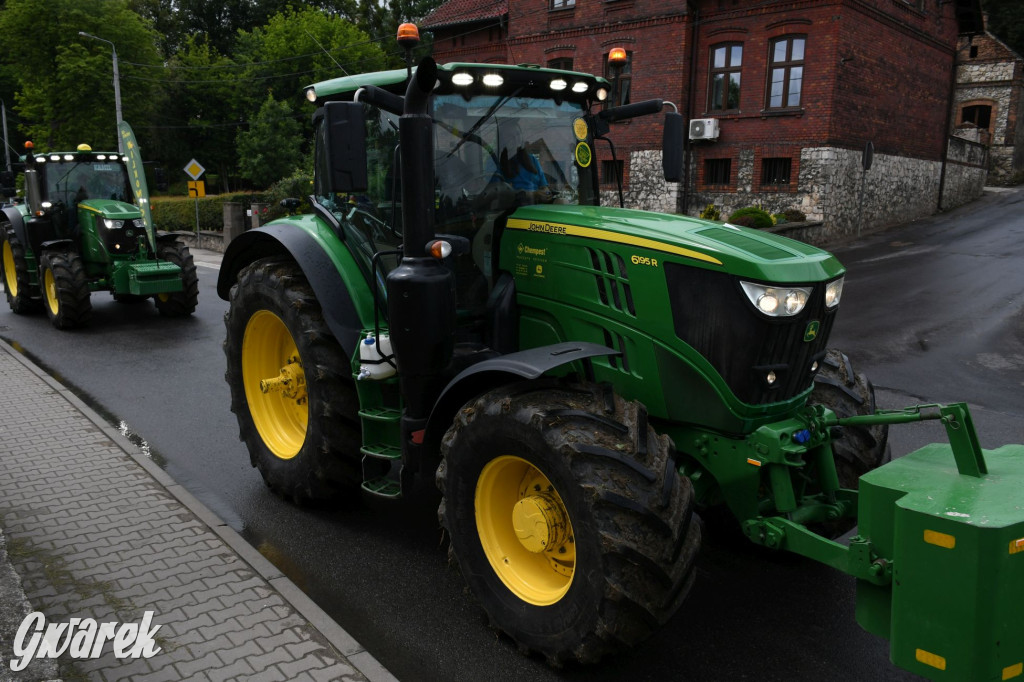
x=117, y=86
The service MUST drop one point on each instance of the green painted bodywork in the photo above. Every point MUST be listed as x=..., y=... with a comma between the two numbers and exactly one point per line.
x=558, y=299
x=957, y=601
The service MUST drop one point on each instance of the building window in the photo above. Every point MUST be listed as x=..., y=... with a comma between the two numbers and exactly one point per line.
x=564, y=63
x=786, y=72
x=726, y=61
x=978, y=114
x=775, y=172
x=717, y=171
x=974, y=51
x=611, y=172
x=625, y=79
x=562, y=4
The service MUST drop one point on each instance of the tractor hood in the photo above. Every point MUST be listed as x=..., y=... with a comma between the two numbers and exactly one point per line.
x=110, y=208
x=740, y=251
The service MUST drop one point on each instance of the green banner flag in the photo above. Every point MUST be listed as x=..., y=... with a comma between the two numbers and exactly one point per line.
x=137, y=176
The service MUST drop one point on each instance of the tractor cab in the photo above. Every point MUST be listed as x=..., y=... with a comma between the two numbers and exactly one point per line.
x=501, y=138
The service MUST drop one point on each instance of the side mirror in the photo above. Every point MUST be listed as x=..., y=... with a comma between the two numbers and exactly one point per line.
x=672, y=147
x=7, y=186
x=346, y=146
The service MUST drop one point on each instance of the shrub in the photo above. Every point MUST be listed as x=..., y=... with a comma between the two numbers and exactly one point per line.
x=758, y=216
x=794, y=216
x=710, y=212
x=178, y=214
x=778, y=218
x=742, y=221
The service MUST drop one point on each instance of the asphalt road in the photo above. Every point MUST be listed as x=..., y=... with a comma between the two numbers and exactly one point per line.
x=932, y=312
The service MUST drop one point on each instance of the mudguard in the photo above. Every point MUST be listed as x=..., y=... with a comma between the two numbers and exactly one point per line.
x=504, y=369
x=12, y=215
x=339, y=310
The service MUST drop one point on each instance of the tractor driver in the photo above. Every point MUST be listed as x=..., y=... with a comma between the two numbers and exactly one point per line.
x=519, y=168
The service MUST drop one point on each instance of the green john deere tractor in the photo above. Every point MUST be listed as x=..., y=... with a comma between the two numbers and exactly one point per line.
x=84, y=227
x=580, y=380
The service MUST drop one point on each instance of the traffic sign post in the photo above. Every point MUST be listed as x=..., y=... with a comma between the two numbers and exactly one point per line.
x=196, y=187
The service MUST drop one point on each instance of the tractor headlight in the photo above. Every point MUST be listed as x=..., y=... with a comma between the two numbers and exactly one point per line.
x=139, y=222
x=776, y=301
x=113, y=224
x=833, y=292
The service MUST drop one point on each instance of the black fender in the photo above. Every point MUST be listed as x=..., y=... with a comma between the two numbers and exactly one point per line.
x=162, y=236
x=505, y=369
x=17, y=221
x=58, y=245
x=285, y=240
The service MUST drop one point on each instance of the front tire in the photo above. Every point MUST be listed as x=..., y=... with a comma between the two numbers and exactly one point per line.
x=179, y=303
x=291, y=389
x=15, y=272
x=567, y=517
x=859, y=449
x=65, y=289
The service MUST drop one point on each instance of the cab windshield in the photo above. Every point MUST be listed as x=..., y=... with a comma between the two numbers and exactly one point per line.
x=498, y=152
x=70, y=182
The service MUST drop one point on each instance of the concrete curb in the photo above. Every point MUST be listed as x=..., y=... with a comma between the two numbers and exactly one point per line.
x=344, y=643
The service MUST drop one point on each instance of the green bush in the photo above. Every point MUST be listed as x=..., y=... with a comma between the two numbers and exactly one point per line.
x=794, y=216
x=742, y=221
x=759, y=217
x=710, y=212
x=778, y=218
x=178, y=214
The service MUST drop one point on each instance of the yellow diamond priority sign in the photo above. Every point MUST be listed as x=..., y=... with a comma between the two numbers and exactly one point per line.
x=194, y=169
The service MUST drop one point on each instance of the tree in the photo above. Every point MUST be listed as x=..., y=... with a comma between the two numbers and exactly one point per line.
x=1006, y=21
x=299, y=47
x=197, y=115
x=63, y=81
x=272, y=146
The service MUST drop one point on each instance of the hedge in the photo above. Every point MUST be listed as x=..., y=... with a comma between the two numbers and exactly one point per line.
x=174, y=214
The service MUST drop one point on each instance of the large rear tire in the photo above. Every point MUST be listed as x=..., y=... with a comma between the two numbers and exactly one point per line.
x=567, y=517
x=291, y=389
x=858, y=449
x=15, y=272
x=65, y=289
x=179, y=303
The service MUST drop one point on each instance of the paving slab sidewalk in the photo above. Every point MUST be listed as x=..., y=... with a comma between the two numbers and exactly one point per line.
x=93, y=529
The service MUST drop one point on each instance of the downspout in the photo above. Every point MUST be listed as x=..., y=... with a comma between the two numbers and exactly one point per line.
x=688, y=106
x=948, y=127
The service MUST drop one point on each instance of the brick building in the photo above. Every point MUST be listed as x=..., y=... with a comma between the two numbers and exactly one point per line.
x=795, y=90
x=989, y=101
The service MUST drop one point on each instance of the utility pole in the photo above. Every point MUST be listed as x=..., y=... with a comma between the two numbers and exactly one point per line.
x=7, y=146
x=117, y=87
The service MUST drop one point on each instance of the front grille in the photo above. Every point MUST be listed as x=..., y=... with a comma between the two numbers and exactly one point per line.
x=612, y=279
x=712, y=314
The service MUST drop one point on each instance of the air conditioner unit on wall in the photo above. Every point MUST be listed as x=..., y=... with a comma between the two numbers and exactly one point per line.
x=704, y=129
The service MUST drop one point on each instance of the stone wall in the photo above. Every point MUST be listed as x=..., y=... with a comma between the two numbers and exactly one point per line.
x=966, y=172
x=832, y=188
x=647, y=190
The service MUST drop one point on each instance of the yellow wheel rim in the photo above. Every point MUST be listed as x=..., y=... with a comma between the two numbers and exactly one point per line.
x=50, y=287
x=525, y=530
x=10, y=275
x=275, y=385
